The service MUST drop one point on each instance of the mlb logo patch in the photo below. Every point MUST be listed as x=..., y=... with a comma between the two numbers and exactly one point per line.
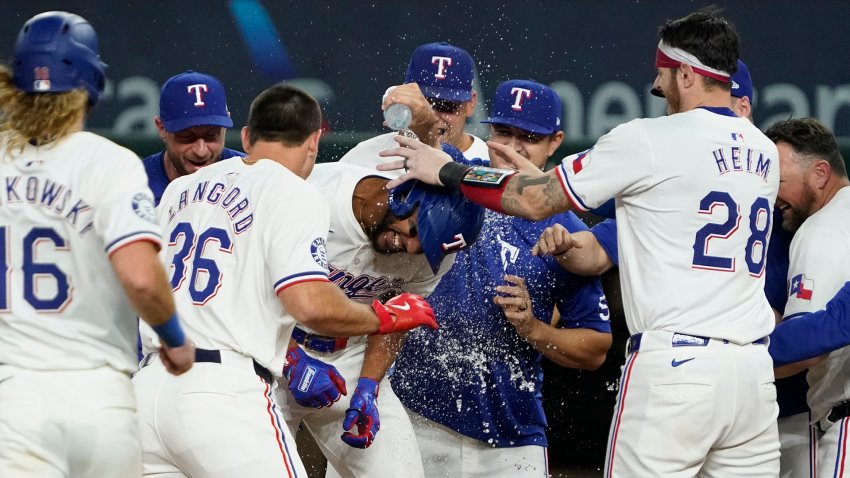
x=738, y=137
x=581, y=161
x=801, y=287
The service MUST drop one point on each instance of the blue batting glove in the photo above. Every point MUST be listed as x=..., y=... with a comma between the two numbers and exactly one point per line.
x=362, y=411
x=313, y=383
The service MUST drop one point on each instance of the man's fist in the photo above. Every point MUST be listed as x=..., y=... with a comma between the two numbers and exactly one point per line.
x=363, y=412
x=404, y=312
x=554, y=241
x=313, y=383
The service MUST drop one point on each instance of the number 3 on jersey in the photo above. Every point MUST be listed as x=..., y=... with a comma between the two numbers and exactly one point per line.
x=205, y=277
x=759, y=233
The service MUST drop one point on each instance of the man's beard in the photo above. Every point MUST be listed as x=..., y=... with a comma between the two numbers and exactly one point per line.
x=799, y=216
x=379, y=229
x=674, y=101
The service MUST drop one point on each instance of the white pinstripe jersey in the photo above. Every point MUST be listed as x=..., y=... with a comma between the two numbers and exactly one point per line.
x=361, y=272
x=694, y=193
x=63, y=210
x=237, y=235
x=819, y=266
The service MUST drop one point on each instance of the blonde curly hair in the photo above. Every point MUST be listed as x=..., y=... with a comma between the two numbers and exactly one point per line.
x=37, y=118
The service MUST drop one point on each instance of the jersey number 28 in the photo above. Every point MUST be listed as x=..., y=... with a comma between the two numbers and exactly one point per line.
x=758, y=234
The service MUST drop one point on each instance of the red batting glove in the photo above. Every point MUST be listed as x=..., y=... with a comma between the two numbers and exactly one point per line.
x=404, y=312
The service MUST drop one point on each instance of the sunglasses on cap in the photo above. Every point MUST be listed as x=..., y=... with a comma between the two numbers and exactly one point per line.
x=443, y=106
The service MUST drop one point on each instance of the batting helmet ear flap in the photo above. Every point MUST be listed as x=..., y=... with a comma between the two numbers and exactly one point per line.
x=56, y=52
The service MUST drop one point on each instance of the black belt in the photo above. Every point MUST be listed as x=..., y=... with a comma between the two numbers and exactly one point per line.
x=319, y=343
x=842, y=410
x=214, y=356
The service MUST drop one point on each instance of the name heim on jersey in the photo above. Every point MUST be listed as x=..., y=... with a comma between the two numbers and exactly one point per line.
x=51, y=196
x=741, y=159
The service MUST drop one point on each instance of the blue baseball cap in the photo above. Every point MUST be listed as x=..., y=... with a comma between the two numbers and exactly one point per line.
x=193, y=99
x=742, y=82
x=442, y=71
x=526, y=105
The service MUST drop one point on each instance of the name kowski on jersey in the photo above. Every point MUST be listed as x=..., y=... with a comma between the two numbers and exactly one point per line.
x=52, y=196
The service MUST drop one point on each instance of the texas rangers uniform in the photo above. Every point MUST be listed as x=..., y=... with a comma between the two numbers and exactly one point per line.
x=366, y=153
x=65, y=323
x=158, y=180
x=475, y=384
x=238, y=235
x=820, y=261
x=363, y=274
x=694, y=191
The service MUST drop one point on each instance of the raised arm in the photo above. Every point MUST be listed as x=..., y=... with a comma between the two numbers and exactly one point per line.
x=534, y=196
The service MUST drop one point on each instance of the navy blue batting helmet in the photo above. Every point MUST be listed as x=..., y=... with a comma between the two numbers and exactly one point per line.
x=447, y=221
x=58, y=51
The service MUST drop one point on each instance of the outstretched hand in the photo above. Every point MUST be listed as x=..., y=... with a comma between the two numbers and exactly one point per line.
x=419, y=161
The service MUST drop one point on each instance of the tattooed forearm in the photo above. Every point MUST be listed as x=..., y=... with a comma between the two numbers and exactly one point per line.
x=534, y=197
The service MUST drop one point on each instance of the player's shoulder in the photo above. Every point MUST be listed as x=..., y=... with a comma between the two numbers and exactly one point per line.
x=366, y=152
x=478, y=150
x=100, y=148
x=340, y=172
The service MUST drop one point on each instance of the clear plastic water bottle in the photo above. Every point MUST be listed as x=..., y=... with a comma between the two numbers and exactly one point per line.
x=398, y=116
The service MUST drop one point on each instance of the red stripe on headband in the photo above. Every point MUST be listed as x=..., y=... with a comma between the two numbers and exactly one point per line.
x=664, y=61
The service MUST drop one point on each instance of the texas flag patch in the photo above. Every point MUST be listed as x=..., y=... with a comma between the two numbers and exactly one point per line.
x=581, y=161
x=801, y=287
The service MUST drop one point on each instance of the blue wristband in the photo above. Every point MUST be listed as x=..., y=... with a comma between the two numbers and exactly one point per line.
x=170, y=332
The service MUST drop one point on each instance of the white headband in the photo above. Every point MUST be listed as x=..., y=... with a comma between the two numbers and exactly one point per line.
x=671, y=57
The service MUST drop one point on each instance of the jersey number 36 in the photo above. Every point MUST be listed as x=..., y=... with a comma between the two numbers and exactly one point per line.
x=205, y=277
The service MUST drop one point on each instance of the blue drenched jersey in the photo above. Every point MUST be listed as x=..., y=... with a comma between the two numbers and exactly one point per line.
x=158, y=180
x=475, y=374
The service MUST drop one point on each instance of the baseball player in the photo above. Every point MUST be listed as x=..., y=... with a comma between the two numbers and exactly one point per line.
x=443, y=73
x=814, y=198
x=694, y=194
x=79, y=249
x=473, y=390
x=379, y=242
x=247, y=259
x=193, y=118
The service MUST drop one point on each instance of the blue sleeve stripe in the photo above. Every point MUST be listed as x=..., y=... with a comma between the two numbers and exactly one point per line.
x=571, y=195
x=300, y=277
x=133, y=236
